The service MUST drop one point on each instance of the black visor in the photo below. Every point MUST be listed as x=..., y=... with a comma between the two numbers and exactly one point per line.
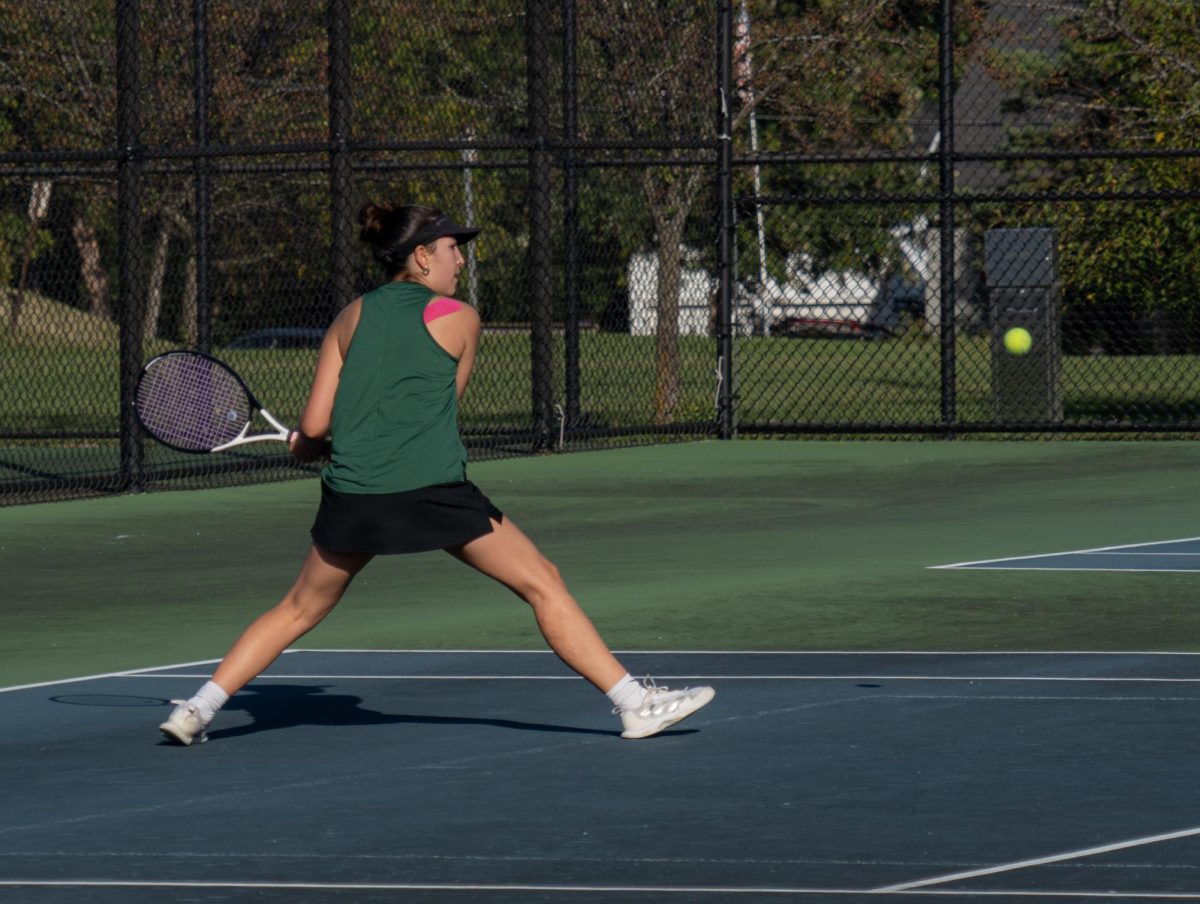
x=442, y=226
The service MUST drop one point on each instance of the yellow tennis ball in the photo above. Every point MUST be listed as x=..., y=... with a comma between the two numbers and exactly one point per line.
x=1018, y=341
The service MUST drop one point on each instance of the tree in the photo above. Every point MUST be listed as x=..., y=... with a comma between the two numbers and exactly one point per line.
x=650, y=70
x=58, y=85
x=448, y=73
x=54, y=59
x=1123, y=77
x=828, y=77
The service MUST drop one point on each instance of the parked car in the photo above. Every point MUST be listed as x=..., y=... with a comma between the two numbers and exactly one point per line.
x=280, y=337
x=828, y=328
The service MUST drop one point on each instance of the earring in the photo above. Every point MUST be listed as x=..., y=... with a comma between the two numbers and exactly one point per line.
x=424, y=271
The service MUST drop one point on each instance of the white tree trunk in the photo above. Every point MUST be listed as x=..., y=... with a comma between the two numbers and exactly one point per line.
x=666, y=347
x=95, y=280
x=154, y=291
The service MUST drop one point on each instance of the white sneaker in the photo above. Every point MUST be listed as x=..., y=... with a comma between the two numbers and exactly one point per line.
x=184, y=725
x=661, y=709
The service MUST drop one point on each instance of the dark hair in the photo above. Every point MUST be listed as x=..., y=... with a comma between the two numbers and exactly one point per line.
x=388, y=227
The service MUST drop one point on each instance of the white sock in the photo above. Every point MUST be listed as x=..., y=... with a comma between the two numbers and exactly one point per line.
x=626, y=693
x=209, y=699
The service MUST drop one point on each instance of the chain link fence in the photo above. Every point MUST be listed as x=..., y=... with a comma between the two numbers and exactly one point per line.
x=949, y=172
x=699, y=218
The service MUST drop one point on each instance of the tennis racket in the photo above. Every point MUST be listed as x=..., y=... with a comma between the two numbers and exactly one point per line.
x=191, y=402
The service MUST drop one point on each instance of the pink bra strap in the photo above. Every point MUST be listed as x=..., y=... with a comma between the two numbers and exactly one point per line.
x=440, y=307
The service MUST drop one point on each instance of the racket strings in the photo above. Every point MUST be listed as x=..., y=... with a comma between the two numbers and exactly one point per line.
x=192, y=403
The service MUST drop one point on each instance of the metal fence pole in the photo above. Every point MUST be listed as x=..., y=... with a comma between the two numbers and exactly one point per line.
x=540, y=235
x=725, y=240
x=129, y=238
x=570, y=213
x=341, y=214
x=946, y=213
x=200, y=168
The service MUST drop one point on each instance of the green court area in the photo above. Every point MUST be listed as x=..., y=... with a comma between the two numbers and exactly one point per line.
x=745, y=545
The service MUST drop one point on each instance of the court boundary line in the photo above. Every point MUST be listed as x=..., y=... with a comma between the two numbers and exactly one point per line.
x=1016, y=678
x=1040, y=861
x=154, y=670
x=587, y=889
x=769, y=652
x=421, y=886
x=1071, y=552
x=126, y=673
x=1182, y=555
x=984, y=567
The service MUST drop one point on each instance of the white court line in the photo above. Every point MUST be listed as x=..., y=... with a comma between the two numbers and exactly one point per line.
x=1077, y=568
x=1072, y=552
x=983, y=567
x=1182, y=554
x=1051, y=698
x=158, y=671
x=662, y=890
x=777, y=652
x=659, y=677
x=426, y=886
x=1040, y=861
x=129, y=673
x=312, y=677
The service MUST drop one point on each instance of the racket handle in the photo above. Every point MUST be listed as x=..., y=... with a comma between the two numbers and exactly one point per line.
x=306, y=449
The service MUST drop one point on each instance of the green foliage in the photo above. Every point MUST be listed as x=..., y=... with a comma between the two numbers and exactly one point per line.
x=1124, y=79
x=827, y=77
x=844, y=79
x=58, y=88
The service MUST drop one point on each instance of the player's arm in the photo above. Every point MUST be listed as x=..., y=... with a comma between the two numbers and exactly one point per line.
x=466, y=361
x=311, y=441
x=455, y=326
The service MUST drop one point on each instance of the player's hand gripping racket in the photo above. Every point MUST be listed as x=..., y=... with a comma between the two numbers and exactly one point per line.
x=191, y=402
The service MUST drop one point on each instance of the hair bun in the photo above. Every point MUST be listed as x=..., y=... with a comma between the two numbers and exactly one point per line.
x=371, y=218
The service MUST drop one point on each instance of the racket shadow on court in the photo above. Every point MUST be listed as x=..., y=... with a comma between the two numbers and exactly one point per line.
x=279, y=706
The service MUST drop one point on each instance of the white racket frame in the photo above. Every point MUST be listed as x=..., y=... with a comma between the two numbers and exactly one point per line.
x=281, y=434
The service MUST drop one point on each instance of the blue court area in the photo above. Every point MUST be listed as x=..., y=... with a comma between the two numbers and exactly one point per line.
x=346, y=776
x=1169, y=555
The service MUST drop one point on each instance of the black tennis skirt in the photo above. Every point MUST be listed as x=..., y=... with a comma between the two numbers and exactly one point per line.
x=436, y=517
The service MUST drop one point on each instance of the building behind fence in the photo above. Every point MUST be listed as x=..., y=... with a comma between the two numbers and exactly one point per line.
x=700, y=219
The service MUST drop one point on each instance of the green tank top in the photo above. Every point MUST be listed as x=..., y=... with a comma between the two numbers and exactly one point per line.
x=395, y=414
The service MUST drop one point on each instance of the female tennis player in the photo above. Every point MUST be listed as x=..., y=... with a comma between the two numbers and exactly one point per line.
x=384, y=407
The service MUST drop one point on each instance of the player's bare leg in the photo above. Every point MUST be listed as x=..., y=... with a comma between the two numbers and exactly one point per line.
x=508, y=556
x=323, y=580
x=321, y=584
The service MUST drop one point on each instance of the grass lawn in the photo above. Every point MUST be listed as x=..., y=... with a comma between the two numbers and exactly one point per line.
x=63, y=378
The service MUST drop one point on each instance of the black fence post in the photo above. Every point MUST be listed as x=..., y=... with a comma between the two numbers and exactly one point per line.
x=570, y=213
x=540, y=236
x=946, y=205
x=129, y=238
x=202, y=197
x=725, y=241
x=341, y=213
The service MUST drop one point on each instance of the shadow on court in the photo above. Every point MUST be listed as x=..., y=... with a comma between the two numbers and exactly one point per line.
x=274, y=707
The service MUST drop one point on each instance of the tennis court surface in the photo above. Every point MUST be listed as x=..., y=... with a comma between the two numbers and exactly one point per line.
x=1169, y=555
x=1039, y=744
x=464, y=776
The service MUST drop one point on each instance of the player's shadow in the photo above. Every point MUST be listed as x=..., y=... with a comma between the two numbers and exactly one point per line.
x=275, y=706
